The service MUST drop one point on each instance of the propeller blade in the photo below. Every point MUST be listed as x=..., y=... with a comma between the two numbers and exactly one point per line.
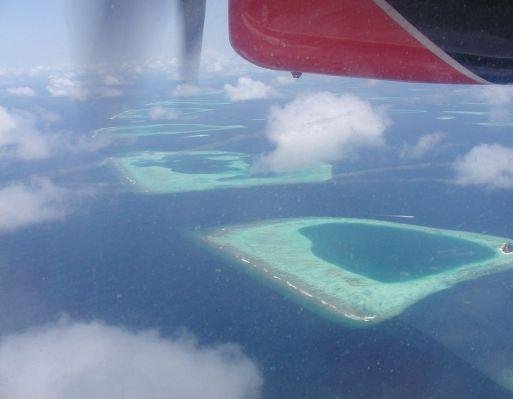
x=121, y=30
x=192, y=14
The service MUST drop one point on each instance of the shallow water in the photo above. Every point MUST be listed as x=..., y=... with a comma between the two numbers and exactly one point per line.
x=391, y=254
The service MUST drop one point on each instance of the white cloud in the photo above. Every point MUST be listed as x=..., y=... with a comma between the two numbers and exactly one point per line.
x=161, y=113
x=320, y=127
x=93, y=360
x=426, y=143
x=499, y=99
x=166, y=65
x=249, y=89
x=21, y=138
x=28, y=72
x=112, y=80
x=185, y=90
x=284, y=80
x=494, y=94
x=488, y=165
x=372, y=82
x=67, y=85
x=21, y=91
x=64, y=86
x=214, y=63
x=22, y=205
x=6, y=121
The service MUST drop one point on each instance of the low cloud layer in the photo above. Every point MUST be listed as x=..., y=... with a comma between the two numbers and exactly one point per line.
x=22, y=138
x=63, y=86
x=249, y=89
x=283, y=80
x=22, y=205
x=161, y=113
x=19, y=138
x=221, y=64
x=426, y=144
x=21, y=91
x=93, y=360
x=84, y=88
x=185, y=90
x=320, y=127
x=110, y=79
x=487, y=165
x=499, y=99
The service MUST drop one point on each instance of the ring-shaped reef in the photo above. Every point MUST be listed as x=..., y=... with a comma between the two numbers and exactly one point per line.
x=164, y=129
x=358, y=271
x=182, y=171
x=181, y=108
x=144, y=114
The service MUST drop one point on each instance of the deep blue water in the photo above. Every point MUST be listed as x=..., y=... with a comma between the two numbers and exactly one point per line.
x=127, y=259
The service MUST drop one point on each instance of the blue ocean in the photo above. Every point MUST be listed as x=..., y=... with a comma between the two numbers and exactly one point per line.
x=127, y=258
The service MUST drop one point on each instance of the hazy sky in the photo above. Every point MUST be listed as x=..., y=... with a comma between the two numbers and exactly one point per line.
x=35, y=32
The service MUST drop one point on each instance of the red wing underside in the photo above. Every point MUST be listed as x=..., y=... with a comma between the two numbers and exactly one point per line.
x=362, y=38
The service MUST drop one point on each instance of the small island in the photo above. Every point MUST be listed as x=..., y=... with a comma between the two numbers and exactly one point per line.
x=507, y=248
x=183, y=171
x=358, y=271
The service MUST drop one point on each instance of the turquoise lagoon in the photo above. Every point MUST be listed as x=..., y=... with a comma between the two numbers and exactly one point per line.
x=358, y=271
